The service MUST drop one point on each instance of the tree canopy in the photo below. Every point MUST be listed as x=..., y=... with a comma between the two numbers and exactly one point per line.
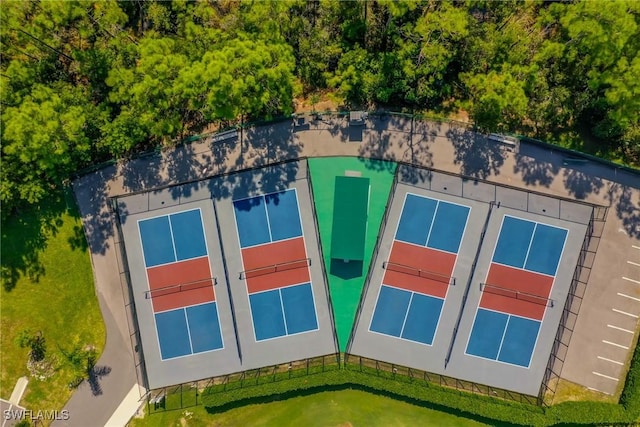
x=86, y=81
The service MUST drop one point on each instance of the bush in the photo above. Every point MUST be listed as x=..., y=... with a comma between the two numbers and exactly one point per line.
x=630, y=398
x=588, y=413
x=484, y=408
x=427, y=395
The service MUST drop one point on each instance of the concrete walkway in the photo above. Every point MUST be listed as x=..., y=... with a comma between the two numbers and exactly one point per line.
x=442, y=146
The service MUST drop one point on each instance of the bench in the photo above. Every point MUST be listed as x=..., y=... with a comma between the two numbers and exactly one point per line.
x=568, y=161
x=158, y=400
x=223, y=136
x=357, y=118
x=511, y=142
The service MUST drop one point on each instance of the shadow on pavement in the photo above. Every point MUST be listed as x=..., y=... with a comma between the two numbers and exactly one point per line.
x=95, y=375
x=477, y=156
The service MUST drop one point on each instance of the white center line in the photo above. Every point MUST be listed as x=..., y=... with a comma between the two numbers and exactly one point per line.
x=631, y=280
x=609, y=360
x=406, y=314
x=604, y=376
x=625, y=313
x=629, y=296
x=620, y=329
x=599, y=391
x=529, y=248
x=616, y=345
x=633, y=263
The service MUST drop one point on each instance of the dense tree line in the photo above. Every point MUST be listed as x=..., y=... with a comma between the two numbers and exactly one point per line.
x=84, y=81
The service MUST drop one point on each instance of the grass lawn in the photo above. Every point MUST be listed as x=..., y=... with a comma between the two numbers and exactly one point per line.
x=47, y=286
x=347, y=280
x=335, y=408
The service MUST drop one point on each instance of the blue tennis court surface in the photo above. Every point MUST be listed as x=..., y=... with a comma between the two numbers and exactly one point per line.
x=404, y=314
x=432, y=223
x=503, y=337
x=530, y=245
x=268, y=218
x=188, y=330
x=283, y=311
x=171, y=238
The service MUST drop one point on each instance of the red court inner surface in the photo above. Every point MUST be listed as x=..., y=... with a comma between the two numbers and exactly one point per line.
x=181, y=284
x=274, y=265
x=412, y=265
x=520, y=289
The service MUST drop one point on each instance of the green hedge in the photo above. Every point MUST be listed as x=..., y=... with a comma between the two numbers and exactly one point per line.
x=630, y=398
x=482, y=408
x=588, y=413
x=466, y=404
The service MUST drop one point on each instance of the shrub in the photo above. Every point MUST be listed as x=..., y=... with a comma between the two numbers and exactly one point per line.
x=630, y=398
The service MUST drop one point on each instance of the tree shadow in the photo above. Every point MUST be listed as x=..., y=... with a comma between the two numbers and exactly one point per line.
x=95, y=375
x=25, y=234
x=91, y=193
x=580, y=184
x=476, y=155
x=534, y=172
x=78, y=239
x=628, y=211
x=267, y=166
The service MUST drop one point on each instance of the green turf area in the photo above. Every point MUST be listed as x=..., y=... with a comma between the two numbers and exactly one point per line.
x=335, y=408
x=47, y=286
x=346, y=280
x=350, y=212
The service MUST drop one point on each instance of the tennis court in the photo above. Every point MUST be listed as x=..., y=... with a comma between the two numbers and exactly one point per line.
x=419, y=270
x=275, y=265
x=516, y=292
x=180, y=283
x=468, y=287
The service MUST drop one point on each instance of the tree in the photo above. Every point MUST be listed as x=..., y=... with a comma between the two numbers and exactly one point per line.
x=498, y=100
x=44, y=140
x=35, y=342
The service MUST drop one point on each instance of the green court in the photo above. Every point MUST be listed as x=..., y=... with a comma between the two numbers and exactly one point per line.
x=350, y=211
x=346, y=280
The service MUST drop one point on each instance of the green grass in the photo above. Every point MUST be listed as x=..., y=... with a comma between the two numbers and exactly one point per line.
x=347, y=280
x=335, y=408
x=47, y=286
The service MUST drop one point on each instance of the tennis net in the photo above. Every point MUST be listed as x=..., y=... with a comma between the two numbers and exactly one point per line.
x=183, y=287
x=425, y=274
x=275, y=268
x=519, y=295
